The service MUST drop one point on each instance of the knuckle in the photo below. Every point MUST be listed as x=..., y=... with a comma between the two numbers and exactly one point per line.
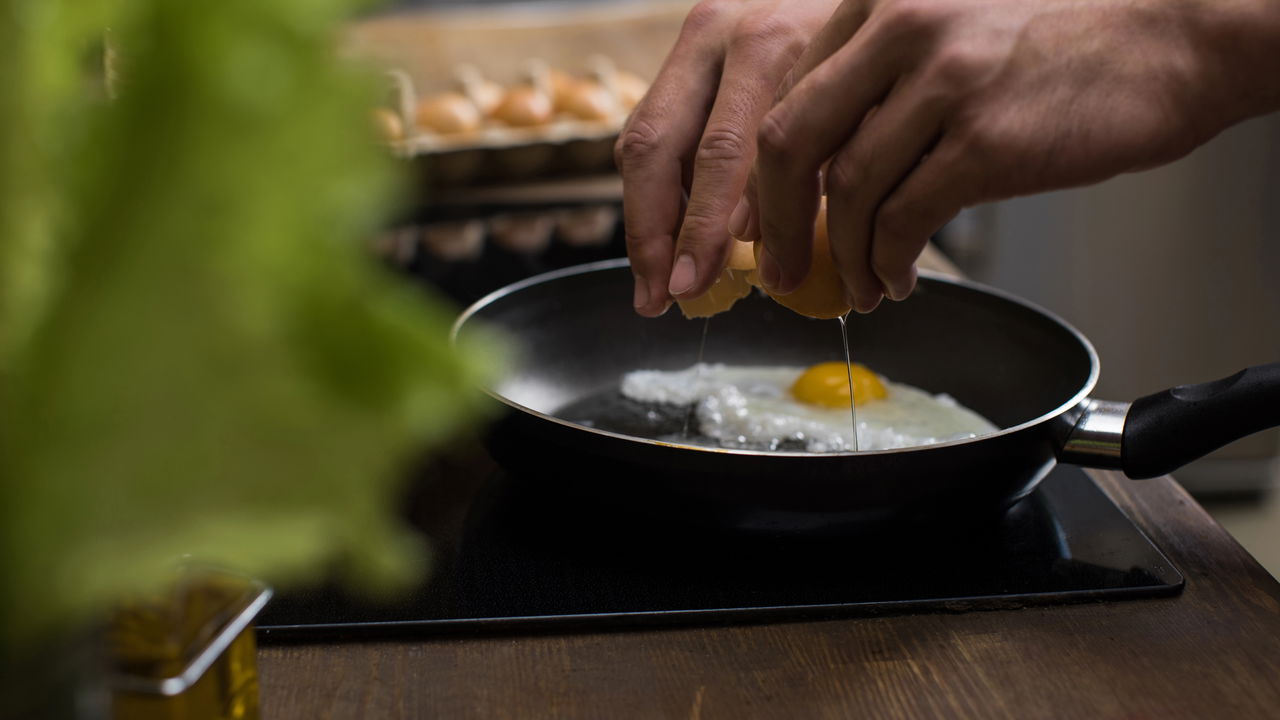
x=617, y=149
x=845, y=172
x=704, y=15
x=912, y=17
x=702, y=229
x=957, y=65
x=767, y=33
x=780, y=239
x=646, y=251
x=723, y=144
x=975, y=143
x=772, y=137
x=895, y=219
x=638, y=144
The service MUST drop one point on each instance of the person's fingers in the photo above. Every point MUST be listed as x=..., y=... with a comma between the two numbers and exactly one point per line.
x=787, y=205
x=885, y=149
x=944, y=183
x=799, y=134
x=652, y=151
x=760, y=50
x=844, y=22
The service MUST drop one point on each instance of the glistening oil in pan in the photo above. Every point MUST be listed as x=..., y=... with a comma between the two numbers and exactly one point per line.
x=612, y=411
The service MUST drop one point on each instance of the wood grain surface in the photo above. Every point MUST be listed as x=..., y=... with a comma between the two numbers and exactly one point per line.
x=1213, y=651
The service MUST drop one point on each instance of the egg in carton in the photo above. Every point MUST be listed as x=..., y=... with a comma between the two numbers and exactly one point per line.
x=524, y=233
x=586, y=226
x=457, y=241
x=602, y=99
x=540, y=120
x=451, y=117
x=393, y=120
x=549, y=121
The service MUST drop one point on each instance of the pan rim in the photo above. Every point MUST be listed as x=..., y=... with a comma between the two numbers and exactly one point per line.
x=1075, y=401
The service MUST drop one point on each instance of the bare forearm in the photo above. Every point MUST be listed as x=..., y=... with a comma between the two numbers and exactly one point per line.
x=931, y=106
x=1240, y=40
x=911, y=110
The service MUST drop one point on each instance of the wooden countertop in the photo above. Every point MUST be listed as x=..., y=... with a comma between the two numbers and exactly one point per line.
x=1213, y=651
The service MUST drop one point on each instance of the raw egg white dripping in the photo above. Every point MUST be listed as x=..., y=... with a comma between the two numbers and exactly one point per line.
x=779, y=408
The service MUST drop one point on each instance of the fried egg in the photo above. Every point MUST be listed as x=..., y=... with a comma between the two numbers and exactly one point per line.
x=785, y=408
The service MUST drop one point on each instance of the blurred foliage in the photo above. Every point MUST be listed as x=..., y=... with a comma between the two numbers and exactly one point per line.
x=196, y=357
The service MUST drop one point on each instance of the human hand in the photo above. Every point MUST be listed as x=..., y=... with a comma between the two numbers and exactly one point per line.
x=924, y=107
x=687, y=150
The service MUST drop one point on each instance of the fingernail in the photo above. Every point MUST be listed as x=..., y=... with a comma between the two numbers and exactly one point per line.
x=683, y=275
x=769, y=272
x=909, y=283
x=866, y=305
x=738, y=219
x=642, y=293
x=900, y=287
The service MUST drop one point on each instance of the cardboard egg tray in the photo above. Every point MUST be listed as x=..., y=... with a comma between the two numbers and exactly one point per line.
x=467, y=252
x=496, y=152
x=423, y=50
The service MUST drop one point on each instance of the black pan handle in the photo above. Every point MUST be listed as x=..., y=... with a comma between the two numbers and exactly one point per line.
x=1159, y=433
x=1169, y=429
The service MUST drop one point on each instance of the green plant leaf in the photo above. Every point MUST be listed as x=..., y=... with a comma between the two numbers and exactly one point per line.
x=210, y=364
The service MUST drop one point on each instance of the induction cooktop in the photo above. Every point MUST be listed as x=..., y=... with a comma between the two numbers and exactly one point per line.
x=512, y=557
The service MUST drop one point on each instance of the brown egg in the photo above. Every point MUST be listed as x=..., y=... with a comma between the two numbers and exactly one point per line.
x=587, y=226
x=397, y=245
x=587, y=100
x=630, y=88
x=821, y=294
x=732, y=285
x=524, y=106
x=487, y=95
x=484, y=94
x=560, y=82
x=742, y=256
x=388, y=125
x=448, y=113
x=528, y=233
x=454, y=241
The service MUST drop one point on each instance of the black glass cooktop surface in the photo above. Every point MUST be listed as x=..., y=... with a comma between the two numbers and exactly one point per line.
x=516, y=558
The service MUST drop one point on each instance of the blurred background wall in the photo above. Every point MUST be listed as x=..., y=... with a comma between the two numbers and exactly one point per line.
x=1173, y=273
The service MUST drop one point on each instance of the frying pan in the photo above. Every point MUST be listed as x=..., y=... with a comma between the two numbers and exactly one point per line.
x=567, y=428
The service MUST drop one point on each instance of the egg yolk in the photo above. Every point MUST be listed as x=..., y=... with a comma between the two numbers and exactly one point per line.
x=827, y=385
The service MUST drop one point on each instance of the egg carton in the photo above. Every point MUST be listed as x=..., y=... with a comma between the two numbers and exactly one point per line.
x=519, y=231
x=548, y=123
x=464, y=259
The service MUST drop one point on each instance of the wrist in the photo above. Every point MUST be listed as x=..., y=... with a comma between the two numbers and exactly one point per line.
x=1239, y=41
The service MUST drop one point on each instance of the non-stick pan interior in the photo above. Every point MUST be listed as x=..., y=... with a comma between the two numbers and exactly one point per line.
x=577, y=335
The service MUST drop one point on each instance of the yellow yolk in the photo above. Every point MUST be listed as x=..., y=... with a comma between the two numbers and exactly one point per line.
x=827, y=385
